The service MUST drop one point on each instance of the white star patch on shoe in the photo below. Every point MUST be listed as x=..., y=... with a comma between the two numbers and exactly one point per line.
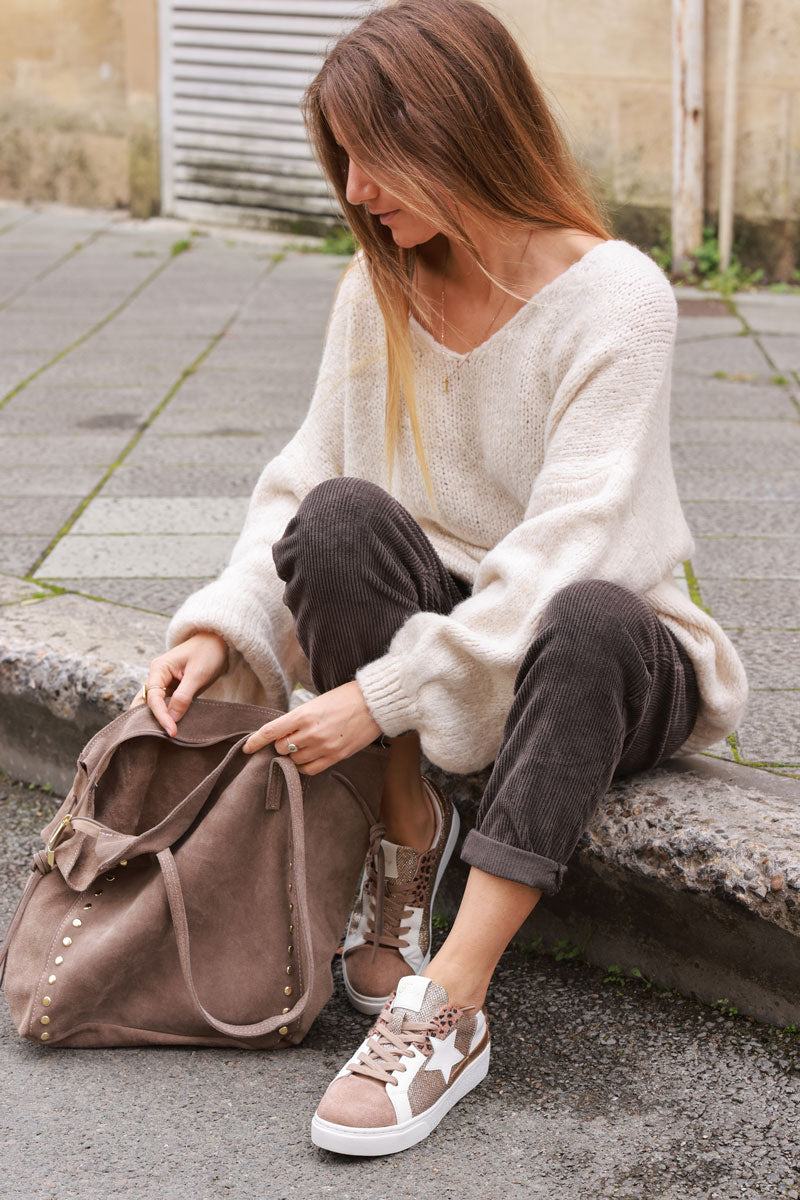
x=444, y=1056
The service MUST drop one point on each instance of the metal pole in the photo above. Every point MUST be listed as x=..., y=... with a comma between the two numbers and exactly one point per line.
x=687, y=129
x=728, y=164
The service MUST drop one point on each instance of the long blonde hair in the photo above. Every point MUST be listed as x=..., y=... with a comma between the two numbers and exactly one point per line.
x=436, y=97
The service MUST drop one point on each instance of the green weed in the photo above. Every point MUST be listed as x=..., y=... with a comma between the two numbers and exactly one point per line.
x=779, y=379
x=338, y=241
x=704, y=268
x=726, y=1008
x=615, y=974
x=564, y=950
x=179, y=246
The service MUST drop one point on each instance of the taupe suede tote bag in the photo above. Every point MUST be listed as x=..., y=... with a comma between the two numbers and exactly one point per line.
x=189, y=893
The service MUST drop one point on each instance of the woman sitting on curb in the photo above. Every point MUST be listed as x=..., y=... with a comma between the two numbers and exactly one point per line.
x=469, y=544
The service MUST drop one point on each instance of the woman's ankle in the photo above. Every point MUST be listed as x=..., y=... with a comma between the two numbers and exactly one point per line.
x=406, y=809
x=408, y=815
x=465, y=987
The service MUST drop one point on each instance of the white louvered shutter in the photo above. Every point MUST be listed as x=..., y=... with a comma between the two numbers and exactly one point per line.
x=233, y=143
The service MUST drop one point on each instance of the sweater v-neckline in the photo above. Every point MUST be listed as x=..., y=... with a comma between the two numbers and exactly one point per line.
x=530, y=303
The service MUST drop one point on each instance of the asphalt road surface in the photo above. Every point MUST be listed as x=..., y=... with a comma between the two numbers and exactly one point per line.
x=597, y=1089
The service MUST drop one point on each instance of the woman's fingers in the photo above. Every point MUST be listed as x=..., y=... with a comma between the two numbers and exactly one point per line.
x=281, y=727
x=157, y=702
x=176, y=677
x=183, y=695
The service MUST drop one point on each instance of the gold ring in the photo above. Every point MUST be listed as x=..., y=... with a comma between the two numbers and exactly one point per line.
x=154, y=687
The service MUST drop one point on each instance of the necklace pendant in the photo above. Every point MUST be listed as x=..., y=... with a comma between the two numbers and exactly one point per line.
x=447, y=383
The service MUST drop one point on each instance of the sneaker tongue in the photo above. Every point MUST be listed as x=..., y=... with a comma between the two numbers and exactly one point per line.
x=418, y=998
x=401, y=861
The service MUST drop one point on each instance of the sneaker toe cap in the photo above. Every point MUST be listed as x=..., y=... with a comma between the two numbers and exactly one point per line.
x=358, y=1102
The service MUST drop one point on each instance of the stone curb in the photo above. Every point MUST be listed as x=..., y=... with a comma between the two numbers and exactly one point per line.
x=689, y=872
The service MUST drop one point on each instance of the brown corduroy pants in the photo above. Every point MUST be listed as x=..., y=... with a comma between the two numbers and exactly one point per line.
x=604, y=689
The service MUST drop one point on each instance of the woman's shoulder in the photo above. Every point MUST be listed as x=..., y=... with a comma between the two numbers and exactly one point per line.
x=627, y=272
x=614, y=287
x=355, y=291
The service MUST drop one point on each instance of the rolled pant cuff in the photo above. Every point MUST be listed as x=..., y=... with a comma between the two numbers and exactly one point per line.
x=510, y=862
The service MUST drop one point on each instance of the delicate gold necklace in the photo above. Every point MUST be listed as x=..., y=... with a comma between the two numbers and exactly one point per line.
x=469, y=353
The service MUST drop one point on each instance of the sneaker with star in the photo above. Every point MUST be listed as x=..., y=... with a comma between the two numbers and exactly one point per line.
x=389, y=933
x=420, y=1058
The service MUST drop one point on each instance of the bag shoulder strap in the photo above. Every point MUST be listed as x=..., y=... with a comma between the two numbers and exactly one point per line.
x=180, y=924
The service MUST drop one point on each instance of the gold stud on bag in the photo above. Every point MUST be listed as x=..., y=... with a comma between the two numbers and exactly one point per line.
x=158, y=910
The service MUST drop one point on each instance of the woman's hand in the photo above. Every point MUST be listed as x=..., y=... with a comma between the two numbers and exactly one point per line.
x=325, y=730
x=193, y=665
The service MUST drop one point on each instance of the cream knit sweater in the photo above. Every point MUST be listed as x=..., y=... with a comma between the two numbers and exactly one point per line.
x=549, y=457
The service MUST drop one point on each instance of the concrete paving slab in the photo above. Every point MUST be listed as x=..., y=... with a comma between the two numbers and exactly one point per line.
x=726, y=432
x=747, y=558
x=137, y=556
x=715, y=399
x=784, y=351
x=15, y=368
x=70, y=411
x=738, y=455
x=12, y=214
x=771, y=658
x=18, y=554
x=229, y=420
x=750, y=518
x=185, y=450
x=757, y=603
x=184, y=480
x=37, y=480
x=163, y=596
x=119, y=370
x=44, y=451
x=289, y=385
x=31, y=515
x=769, y=312
x=769, y=730
x=41, y=335
x=733, y=355
x=116, y=341
x=720, y=484
x=168, y=514
x=690, y=329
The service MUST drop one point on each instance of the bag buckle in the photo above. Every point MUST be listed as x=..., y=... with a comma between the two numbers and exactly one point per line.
x=56, y=838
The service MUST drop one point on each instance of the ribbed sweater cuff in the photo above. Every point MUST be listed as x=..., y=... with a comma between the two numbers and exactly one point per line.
x=390, y=706
x=511, y=862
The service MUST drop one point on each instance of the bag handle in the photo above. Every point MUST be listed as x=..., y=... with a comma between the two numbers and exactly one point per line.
x=180, y=924
x=111, y=844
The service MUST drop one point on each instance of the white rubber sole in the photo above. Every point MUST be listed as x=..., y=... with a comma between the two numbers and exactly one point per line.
x=390, y=1139
x=372, y=1005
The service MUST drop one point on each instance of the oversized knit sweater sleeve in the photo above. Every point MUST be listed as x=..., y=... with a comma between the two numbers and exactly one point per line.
x=603, y=505
x=244, y=605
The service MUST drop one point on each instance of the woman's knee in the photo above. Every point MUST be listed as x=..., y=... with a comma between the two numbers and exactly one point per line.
x=338, y=504
x=328, y=528
x=588, y=623
x=591, y=604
